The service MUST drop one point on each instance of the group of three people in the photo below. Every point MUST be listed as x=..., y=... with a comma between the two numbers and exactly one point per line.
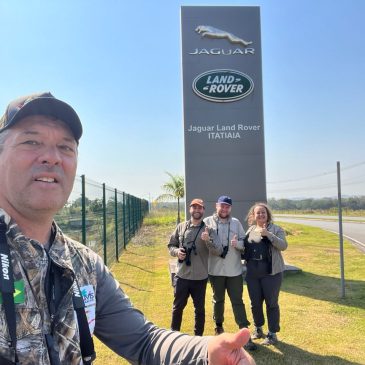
x=213, y=248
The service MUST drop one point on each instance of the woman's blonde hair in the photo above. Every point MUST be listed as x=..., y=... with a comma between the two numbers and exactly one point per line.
x=250, y=215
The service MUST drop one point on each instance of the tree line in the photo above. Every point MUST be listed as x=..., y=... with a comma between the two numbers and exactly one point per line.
x=174, y=190
x=353, y=203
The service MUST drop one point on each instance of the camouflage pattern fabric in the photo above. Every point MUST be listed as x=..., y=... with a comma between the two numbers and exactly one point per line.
x=30, y=262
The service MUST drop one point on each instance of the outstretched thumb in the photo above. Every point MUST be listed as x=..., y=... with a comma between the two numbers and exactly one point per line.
x=240, y=338
x=227, y=348
x=206, y=230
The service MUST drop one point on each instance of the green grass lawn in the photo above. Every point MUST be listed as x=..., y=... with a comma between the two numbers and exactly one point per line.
x=317, y=326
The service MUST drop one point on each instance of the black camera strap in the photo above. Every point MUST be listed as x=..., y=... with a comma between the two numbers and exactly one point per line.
x=7, y=292
x=7, y=288
x=202, y=224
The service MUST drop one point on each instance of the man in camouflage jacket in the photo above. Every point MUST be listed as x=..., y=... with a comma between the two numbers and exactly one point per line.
x=39, y=137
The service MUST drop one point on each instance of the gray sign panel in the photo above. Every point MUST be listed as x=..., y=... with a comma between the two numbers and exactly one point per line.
x=223, y=112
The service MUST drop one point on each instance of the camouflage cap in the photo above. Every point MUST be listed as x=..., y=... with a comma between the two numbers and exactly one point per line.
x=41, y=104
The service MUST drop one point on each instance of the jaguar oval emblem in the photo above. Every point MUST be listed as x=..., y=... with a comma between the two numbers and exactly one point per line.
x=222, y=85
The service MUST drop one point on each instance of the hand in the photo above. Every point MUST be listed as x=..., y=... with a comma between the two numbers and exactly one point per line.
x=234, y=241
x=264, y=232
x=227, y=349
x=181, y=254
x=205, y=234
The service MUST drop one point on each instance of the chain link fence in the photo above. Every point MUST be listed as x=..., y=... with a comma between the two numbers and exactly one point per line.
x=101, y=217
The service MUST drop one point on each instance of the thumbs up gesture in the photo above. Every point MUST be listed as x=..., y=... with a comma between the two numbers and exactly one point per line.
x=205, y=234
x=264, y=232
x=234, y=241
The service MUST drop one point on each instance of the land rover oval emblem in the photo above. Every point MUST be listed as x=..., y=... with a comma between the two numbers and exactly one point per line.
x=222, y=85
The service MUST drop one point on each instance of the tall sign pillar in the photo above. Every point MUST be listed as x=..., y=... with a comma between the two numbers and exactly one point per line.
x=223, y=111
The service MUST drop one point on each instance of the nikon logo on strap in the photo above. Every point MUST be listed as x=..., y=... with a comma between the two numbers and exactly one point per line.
x=5, y=266
x=75, y=289
x=76, y=296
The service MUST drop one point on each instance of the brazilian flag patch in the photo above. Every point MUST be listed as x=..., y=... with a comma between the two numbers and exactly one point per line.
x=18, y=292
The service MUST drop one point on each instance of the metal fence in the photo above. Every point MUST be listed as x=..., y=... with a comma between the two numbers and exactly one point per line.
x=101, y=217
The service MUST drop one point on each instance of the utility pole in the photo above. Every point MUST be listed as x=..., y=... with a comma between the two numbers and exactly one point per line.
x=340, y=229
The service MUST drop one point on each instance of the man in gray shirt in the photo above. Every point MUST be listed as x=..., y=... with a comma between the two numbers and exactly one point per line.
x=43, y=272
x=225, y=271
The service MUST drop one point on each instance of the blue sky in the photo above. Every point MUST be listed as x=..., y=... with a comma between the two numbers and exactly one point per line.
x=118, y=64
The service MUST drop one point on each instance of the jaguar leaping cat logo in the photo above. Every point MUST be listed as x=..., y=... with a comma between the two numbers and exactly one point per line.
x=211, y=32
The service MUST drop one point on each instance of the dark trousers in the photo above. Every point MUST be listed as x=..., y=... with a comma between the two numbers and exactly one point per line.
x=182, y=289
x=264, y=287
x=234, y=287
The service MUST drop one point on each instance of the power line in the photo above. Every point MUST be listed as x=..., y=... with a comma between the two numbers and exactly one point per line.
x=317, y=175
x=318, y=187
x=352, y=166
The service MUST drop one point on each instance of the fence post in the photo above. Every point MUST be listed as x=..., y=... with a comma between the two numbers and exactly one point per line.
x=116, y=224
x=131, y=211
x=83, y=209
x=104, y=225
x=133, y=217
x=129, y=217
x=141, y=209
x=124, y=223
x=134, y=214
x=138, y=213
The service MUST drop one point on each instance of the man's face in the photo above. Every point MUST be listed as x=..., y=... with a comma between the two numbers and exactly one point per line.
x=37, y=166
x=196, y=211
x=223, y=210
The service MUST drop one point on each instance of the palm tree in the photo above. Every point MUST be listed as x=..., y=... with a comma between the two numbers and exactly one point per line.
x=175, y=189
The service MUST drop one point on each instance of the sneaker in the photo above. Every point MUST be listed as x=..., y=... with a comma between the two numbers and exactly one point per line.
x=271, y=339
x=257, y=333
x=250, y=345
x=218, y=330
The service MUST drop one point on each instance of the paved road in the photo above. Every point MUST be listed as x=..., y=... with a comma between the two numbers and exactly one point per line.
x=353, y=231
x=321, y=217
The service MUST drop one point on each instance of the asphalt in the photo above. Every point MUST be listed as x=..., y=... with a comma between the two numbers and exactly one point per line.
x=353, y=229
